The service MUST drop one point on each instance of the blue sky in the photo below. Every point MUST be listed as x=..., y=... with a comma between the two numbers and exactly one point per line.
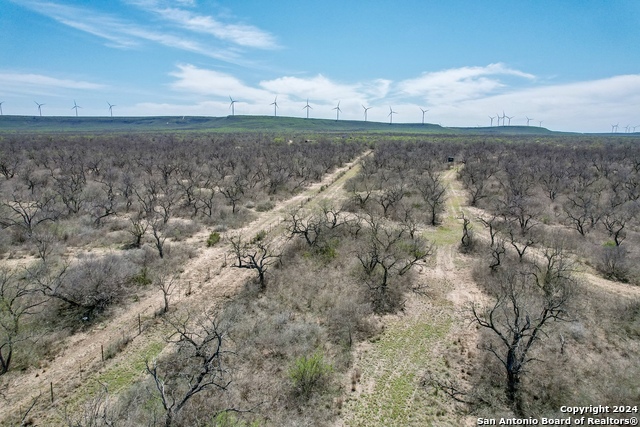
x=574, y=65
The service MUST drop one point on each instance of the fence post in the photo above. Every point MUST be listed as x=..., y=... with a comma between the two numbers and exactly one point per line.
x=51, y=390
x=139, y=324
x=102, y=351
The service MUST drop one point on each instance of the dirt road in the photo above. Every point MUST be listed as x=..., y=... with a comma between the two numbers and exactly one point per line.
x=78, y=370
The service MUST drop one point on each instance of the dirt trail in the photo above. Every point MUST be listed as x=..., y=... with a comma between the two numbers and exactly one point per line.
x=419, y=338
x=76, y=370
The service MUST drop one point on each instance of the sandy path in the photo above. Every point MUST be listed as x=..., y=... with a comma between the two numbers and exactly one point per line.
x=77, y=368
x=416, y=340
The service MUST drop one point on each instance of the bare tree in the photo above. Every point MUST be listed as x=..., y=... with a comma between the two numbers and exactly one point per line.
x=615, y=220
x=17, y=299
x=389, y=196
x=498, y=252
x=233, y=190
x=493, y=226
x=138, y=228
x=258, y=255
x=166, y=282
x=519, y=243
x=26, y=213
x=197, y=365
x=157, y=230
x=582, y=210
x=388, y=251
x=433, y=191
x=467, y=241
x=517, y=320
x=475, y=176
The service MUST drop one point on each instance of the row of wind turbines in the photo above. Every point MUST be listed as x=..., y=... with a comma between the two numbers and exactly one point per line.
x=309, y=107
x=75, y=107
x=627, y=128
x=504, y=119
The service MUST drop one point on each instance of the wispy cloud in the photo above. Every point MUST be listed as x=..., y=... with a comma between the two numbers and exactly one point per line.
x=23, y=82
x=205, y=82
x=459, y=84
x=124, y=33
x=322, y=91
x=319, y=88
x=235, y=33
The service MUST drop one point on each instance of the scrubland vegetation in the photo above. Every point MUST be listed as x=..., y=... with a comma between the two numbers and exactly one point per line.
x=244, y=279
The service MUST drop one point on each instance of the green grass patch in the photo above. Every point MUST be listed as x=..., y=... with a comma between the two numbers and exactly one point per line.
x=444, y=235
x=394, y=363
x=214, y=238
x=124, y=373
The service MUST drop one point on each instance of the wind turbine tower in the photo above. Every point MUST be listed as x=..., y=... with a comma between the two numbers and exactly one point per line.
x=365, y=112
x=614, y=128
x=337, y=108
x=540, y=123
x=498, y=117
x=75, y=107
x=1, y=114
x=491, y=118
x=110, y=108
x=528, y=120
x=423, y=113
x=39, y=108
x=509, y=118
x=391, y=113
x=275, y=106
x=232, y=106
x=307, y=107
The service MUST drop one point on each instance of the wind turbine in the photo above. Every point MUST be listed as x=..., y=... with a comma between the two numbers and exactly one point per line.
x=337, y=108
x=498, y=117
x=509, y=118
x=275, y=106
x=232, y=106
x=528, y=120
x=626, y=128
x=504, y=116
x=1, y=114
x=423, y=113
x=614, y=128
x=39, y=108
x=307, y=107
x=111, y=108
x=365, y=112
x=75, y=107
x=491, y=118
x=540, y=123
x=391, y=113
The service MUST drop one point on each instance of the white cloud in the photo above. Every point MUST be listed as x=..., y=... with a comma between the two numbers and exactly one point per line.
x=215, y=83
x=237, y=33
x=589, y=106
x=318, y=88
x=292, y=92
x=123, y=33
x=460, y=97
x=23, y=82
x=458, y=84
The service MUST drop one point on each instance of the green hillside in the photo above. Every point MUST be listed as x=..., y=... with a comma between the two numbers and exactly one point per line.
x=10, y=124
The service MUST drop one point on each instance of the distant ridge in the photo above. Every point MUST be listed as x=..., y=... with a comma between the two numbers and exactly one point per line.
x=12, y=124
